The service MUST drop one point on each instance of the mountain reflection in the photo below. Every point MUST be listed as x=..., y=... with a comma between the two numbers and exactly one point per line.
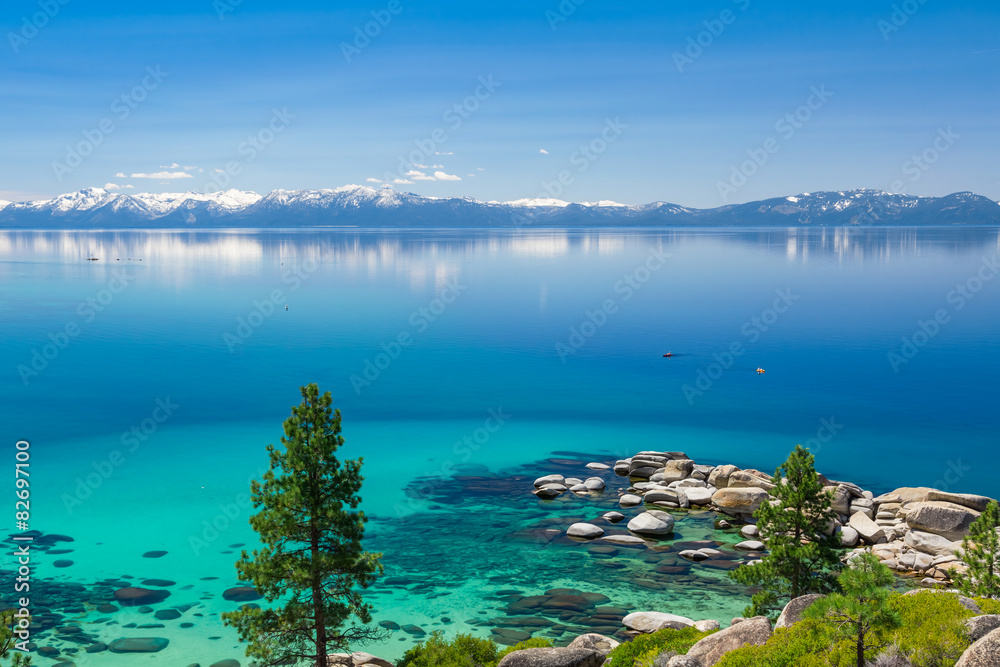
x=376, y=249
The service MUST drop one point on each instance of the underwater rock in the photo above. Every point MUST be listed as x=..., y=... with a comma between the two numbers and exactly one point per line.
x=133, y=596
x=138, y=645
x=241, y=594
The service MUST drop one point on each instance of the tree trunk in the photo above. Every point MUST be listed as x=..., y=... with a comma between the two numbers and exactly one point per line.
x=317, y=591
x=861, y=646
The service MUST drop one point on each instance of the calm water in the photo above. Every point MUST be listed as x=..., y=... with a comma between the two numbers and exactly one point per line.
x=149, y=389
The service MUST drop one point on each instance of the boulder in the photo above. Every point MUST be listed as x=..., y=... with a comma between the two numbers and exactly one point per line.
x=980, y=626
x=868, y=530
x=750, y=531
x=549, y=479
x=661, y=496
x=905, y=494
x=594, y=484
x=969, y=500
x=598, y=466
x=848, y=536
x=702, y=471
x=742, y=501
x=682, y=661
x=792, y=613
x=750, y=478
x=698, y=496
x=553, y=657
x=720, y=476
x=550, y=491
x=693, y=555
x=652, y=522
x=595, y=642
x=677, y=470
x=138, y=645
x=929, y=543
x=751, y=632
x=707, y=625
x=983, y=653
x=613, y=517
x=361, y=658
x=750, y=545
x=630, y=500
x=841, y=499
x=946, y=519
x=585, y=531
x=625, y=540
x=133, y=596
x=651, y=621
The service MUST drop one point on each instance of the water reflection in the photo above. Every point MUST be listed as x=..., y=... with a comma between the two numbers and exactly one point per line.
x=374, y=250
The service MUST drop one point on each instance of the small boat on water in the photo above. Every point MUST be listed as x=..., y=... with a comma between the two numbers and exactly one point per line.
x=760, y=371
x=669, y=354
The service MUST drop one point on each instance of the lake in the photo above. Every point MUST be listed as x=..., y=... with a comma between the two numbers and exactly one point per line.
x=149, y=381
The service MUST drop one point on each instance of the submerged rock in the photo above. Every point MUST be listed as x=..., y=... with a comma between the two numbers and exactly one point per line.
x=138, y=645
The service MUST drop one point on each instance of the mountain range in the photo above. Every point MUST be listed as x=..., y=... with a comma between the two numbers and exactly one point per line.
x=362, y=206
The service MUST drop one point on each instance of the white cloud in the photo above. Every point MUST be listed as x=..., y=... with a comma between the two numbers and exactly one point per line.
x=440, y=153
x=420, y=166
x=441, y=176
x=115, y=186
x=170, y=166
x=120, y=175
x=372, y=180
x=480, y=169
x=164, y=174
x=218, y=171
x=418, y=175
x=402, y=181
x=543, y=151
x=438, y=166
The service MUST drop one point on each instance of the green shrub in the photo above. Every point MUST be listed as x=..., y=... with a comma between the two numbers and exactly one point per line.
x=463, y=651
x=647, y=647
x=805, y=644
x=933, y=631
x=988, y=605
x=534, y=642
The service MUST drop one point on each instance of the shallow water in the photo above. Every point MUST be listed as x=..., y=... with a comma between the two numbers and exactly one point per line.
x=514, y=340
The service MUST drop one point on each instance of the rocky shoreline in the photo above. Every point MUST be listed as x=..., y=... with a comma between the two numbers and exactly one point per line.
x=913, y=530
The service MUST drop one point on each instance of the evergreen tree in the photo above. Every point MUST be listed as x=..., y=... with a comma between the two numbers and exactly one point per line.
x=8, y=621
x=312, y=563
x=861, y=614
x=981, y=552
x=802, y=558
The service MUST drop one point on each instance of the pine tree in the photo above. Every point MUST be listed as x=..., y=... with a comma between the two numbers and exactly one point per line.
x=861, y=614
x=8, y=639
x=981, y=552
x=312, y=564
x=801, y=557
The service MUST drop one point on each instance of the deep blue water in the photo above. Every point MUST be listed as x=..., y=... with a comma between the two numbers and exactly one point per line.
x=561, y=332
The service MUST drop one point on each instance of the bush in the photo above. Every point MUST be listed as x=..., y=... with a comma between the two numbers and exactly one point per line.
x=805, y=644
x=534, y=642
x=644, y=649
x=988, y=605
x=463, y=651
x=933, y=632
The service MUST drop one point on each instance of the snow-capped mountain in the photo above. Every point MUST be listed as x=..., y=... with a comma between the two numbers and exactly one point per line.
x=362, y=206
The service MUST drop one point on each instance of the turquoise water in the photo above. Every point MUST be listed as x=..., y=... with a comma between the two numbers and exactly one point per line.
x=424, y=338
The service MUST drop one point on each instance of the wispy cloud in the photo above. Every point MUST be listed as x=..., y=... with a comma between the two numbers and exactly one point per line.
x=373, y=180
x=115, y=186
x=402, y=181
x=442, y=153
x=441, y=176
x=543, y=151
x=174, y=165
x=164, y=175
x=120, y=175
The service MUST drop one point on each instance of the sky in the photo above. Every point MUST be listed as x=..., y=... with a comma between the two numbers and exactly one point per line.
x=696, y=103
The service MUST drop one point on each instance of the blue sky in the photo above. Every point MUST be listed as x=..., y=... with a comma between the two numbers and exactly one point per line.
x=621, y=97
